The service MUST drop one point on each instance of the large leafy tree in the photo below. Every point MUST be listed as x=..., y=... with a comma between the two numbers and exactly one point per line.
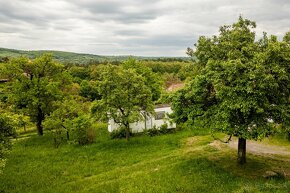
x=36, y=85
x=124, y=96
x=242, y=87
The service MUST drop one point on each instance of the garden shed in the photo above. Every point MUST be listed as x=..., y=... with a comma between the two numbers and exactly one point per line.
x=152, y=121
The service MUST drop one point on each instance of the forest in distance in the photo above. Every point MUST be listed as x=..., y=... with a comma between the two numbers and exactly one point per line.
x=232, y=88
x=81, y=59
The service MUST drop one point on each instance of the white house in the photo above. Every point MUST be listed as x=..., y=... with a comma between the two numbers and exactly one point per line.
x=160, y=118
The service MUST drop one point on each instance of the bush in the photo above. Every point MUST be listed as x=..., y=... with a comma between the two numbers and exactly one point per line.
x=7, y=130
x=58, y=137
x=56, y=130
x=163, y=129
x=119, y=134
x=101, y=130
x=82, y=130
x=91, y=135
x=152, y=132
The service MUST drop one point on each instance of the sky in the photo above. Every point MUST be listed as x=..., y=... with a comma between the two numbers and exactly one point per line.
x=130, y=27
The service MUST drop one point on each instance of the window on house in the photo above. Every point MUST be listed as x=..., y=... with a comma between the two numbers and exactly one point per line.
x=160, y=115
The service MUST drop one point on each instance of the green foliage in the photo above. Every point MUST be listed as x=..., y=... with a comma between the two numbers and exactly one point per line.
x=242, y=84
x=101, y=130
x=188, y=71
x=152, y=81
x=82, y=131
x=170, y=79
x=61, y=122
x=124, y=96
x=79, y=73
x=152, y=132
x=70, y=58
x=88, y=89
x=163, y=129
x=65, y=57
x=119, y=133
x=36, y=85
x=164, y=67
x=7, y=129
x=22, y=121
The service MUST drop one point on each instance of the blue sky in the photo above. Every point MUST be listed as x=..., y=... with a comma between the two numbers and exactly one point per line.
x=130, y=27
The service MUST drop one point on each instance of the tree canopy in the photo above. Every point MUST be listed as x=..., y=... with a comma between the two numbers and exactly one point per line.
x=124, y=96
x=151, y=80
x=36, y=85
x=242, y=87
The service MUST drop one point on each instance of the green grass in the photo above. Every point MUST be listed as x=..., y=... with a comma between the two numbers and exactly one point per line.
x=278, y=139
x=180, y=162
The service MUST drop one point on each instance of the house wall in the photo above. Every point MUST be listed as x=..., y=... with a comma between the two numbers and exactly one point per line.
x=150, y=122
x=166, y=119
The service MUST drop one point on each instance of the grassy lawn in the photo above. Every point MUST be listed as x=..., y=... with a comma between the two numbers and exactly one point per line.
x=185, y=161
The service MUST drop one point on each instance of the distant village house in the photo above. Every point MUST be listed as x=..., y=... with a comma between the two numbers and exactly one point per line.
x=160, y=118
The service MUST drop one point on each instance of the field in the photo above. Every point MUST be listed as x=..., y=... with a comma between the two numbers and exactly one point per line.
x=185, y=161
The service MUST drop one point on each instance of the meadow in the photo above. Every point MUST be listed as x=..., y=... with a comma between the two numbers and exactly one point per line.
x=184, y=161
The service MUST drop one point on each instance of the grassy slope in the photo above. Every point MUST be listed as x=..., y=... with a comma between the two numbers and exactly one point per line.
x=171, y=163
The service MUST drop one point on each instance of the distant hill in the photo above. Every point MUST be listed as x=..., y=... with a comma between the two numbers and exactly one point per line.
x=66, y=57
x=71, y=57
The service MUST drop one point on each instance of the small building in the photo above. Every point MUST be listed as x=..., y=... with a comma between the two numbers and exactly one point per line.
x=151, y=121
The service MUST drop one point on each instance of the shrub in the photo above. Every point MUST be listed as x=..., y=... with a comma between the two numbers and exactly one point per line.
x=58, y=137
x=101, y=130
x=119, y=134
x=7, y=130
x=82, y=130
x=91, y=135
x=152, y=132
x=164, y=128
x=56, y=130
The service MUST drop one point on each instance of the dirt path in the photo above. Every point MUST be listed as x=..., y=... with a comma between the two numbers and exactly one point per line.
x=256, y=147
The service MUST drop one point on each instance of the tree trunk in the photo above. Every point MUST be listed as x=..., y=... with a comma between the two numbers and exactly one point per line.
x=67, y=132
x=39, y=127
x=288, y=136
x=127, y=131
x=67, y=135
x=242, y=151
x=40, y=118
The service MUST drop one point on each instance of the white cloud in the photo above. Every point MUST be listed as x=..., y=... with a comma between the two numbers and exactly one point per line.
x=135, y=27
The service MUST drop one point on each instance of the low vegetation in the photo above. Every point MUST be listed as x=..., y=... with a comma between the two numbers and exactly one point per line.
x=185, y=161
